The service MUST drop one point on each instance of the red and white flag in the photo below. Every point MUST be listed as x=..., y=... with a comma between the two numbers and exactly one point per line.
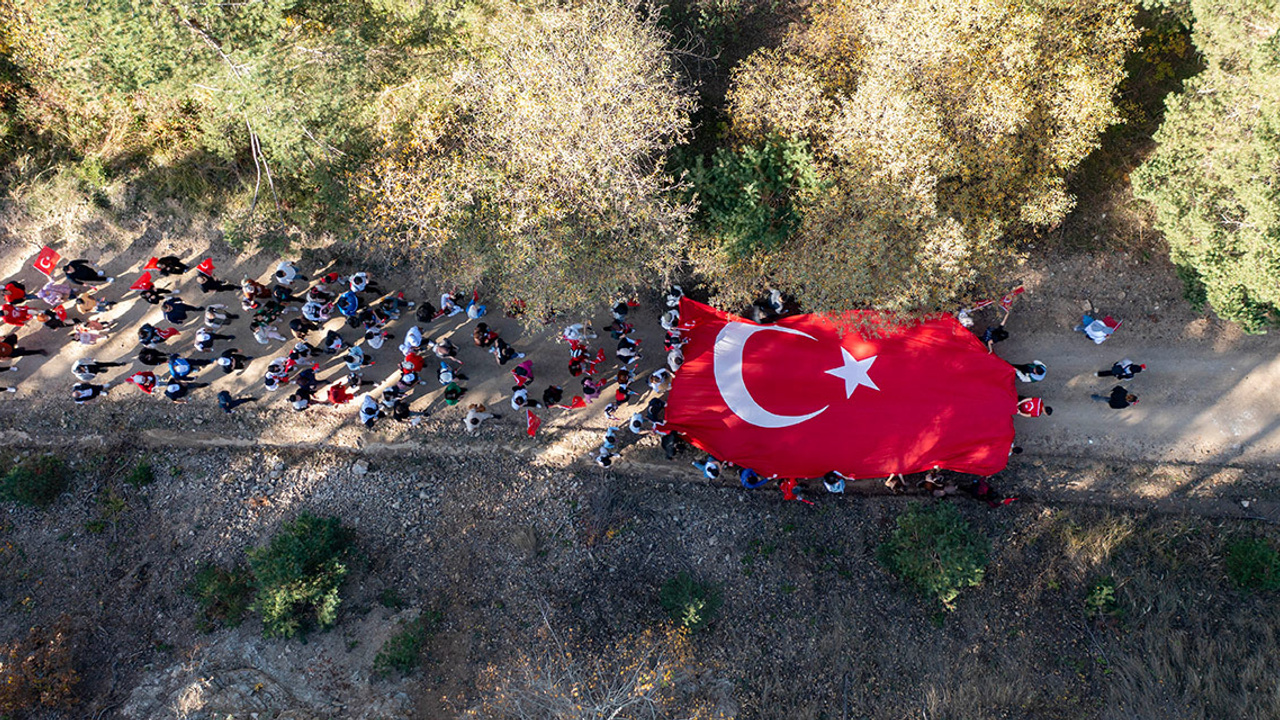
x=143, y=283
x=1006, y=302
x=532, y=423
x=206, y=267
x=152, y=264
x=46, y=261
x=800, y=397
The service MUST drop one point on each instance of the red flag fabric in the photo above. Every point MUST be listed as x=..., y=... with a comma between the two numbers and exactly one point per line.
x=206, y=267
x=152, y=264
x=61, y=312
x=1006, y=302
x=802, y=397
x=143, y=283
x=577, y=402
x=532, y=422
x=167, y=333
x=46, y=260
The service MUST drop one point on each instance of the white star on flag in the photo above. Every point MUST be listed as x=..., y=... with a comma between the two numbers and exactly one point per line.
x=854, y=373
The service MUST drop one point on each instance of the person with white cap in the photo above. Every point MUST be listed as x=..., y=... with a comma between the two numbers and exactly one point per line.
x=232, y=361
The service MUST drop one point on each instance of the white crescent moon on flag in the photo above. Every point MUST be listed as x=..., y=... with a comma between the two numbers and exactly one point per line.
x=727, y=364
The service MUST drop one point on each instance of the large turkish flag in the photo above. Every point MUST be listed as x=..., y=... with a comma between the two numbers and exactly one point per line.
x=803, y=396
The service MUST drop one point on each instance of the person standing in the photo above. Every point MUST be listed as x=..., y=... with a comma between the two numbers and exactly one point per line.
x=228, y=403
x=1033, y=371
x=1033, y=407
x=476, y=414
x=175, y=310
x=81, y=272
x=86, y=369
x=1119, y=398
x=1123, y=370
x=232, y=361
x=85, y=391
x=709, y=466
x=9, y=348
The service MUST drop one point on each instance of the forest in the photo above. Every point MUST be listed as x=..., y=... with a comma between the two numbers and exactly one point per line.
x=894, y=154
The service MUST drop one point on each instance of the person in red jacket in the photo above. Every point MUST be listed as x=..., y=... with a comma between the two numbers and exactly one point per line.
x=15, y=292
x=144, y=380
x=12, y=315
x=339, y=394
x=1033, y=407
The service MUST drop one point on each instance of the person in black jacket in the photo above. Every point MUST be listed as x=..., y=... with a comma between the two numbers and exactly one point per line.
x=1119, y=398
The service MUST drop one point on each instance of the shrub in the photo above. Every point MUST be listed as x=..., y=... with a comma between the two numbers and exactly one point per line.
x=689, y=603
x=748, y=197
x=934, y=551
x=403, y=651
x=299, y=573
x=1253, y=564
x=37, y=671
x=36, y=481
x=1101, y=601
x=223, y=595
x=142, y=474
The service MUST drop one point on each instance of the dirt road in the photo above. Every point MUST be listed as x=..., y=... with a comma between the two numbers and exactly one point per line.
x=1209, y=396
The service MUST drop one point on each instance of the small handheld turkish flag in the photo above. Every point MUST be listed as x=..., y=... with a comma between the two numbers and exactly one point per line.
x=143, y=283
x=577, y=402
x=61, y=312
x=47, y=260
x=152, y=264
x=206, y=267
x=532, y=422
x=808, y=395
x=167, y=333
x=1006, y=302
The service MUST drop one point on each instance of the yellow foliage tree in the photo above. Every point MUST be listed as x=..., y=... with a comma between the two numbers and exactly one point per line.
x=941, y=128
x=537, y=164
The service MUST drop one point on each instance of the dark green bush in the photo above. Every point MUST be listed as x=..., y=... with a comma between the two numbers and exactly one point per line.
x=299, y=572
x=1101, y=602
x=401, y=652
x=1252, y=564
x=142, y=474
x=934, y=551
x=748, y=198
x=223, y=595
x=36, y=481
x=689, y=602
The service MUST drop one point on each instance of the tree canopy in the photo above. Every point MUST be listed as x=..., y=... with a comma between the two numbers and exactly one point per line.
x=539, y=161
x=1213, y=179
x=940, y=129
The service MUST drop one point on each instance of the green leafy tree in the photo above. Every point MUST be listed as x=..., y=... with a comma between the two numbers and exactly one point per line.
x=281, y=91
x=748, y=199
x=1213, y=177
x=939, y=129
x=299, y=572
x=538, y=164
x=935, y=551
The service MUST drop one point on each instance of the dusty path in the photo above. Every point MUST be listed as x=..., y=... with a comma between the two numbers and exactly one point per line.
x=1208, y=420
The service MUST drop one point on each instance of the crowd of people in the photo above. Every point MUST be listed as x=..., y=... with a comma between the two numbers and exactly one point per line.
x=313, y=325
x=346, y=320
